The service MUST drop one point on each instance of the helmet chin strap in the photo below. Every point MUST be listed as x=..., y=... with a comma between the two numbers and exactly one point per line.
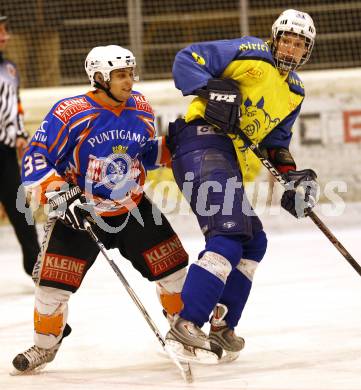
x=106, y=90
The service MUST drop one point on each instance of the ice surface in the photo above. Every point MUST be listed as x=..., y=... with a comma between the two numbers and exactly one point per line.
x=302, y=324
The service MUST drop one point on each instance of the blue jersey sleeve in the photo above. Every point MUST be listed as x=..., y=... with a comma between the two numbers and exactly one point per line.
x=280, y=136
x=156, y=154
x=197, y=63
x=45, y=148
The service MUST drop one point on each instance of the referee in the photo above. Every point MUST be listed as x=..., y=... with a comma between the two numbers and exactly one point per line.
x=13, y=140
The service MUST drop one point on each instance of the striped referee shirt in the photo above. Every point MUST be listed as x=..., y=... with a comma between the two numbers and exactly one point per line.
x=11, y=112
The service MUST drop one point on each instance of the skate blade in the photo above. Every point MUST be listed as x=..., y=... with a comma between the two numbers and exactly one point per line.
x=228, y=357
x=35, y=371
x=193, y=355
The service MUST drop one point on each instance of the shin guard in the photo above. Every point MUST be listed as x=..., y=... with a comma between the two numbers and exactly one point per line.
x=169, y=291
x=50, y=315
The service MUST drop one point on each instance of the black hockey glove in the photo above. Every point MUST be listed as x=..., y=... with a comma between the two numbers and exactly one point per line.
x=300, y=196
x=69, y=205
x=223, y=101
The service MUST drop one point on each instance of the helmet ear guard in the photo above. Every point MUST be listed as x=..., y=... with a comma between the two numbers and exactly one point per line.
x=297, y=23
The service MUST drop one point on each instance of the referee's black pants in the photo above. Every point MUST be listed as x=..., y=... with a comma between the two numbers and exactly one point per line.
x=10, y=181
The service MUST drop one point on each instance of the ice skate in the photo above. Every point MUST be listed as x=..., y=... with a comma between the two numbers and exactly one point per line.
x=223, y=337
x=36, y=358
x=190, y=343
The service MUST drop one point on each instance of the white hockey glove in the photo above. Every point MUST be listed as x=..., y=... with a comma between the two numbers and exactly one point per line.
x=300, y=196
x=69, y=205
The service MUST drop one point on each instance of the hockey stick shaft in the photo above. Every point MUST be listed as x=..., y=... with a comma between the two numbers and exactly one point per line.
x=324, y=229
x=185, y=371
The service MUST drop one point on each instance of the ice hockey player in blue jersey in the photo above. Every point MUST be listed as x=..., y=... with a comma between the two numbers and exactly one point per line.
x=88, y=159
x=242, y=85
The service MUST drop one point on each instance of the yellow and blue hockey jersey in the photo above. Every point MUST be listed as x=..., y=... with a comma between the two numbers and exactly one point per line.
x=270, y=103
x=104, y=150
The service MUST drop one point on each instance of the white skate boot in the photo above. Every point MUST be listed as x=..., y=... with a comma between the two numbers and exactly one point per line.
x=36, y=358
x=190, y=343
x=223, y=337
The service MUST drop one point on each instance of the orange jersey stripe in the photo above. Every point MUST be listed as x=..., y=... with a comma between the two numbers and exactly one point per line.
x=57, y=138
x=51, y=183
x=39, y=145
x=149, y=124
x=127, y=206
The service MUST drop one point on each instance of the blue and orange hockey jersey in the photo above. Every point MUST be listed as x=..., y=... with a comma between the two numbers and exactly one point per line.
x=104, y=150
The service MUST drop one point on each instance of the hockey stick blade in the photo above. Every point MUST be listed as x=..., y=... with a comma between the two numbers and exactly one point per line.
x=184, y=367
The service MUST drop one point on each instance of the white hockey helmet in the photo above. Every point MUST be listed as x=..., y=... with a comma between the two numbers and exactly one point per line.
x=105, y=59
x=296, y=22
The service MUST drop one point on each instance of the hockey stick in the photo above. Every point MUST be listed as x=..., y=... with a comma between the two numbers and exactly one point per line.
x=185, y=369
x=324, y=229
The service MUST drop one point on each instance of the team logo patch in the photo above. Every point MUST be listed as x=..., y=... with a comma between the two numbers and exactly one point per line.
x=117, y=172
x=142, y=104
x=256, y=119
x=120, y=149
x=165, y=256
x=112, y=171
x=63, y=269
x=68, y=108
